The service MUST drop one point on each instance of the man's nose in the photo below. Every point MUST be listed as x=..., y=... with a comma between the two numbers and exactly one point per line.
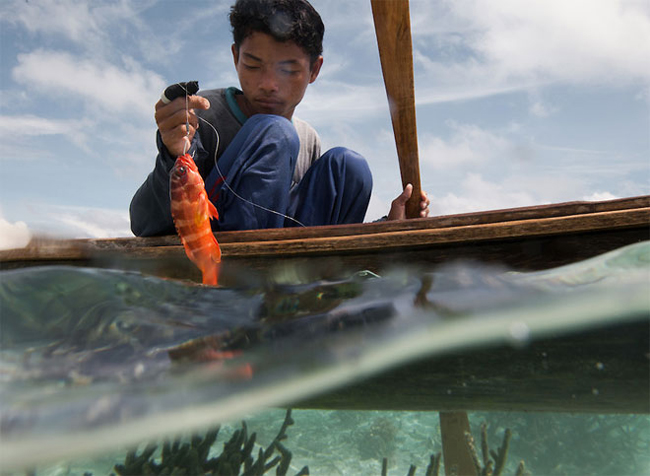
x=269, y=81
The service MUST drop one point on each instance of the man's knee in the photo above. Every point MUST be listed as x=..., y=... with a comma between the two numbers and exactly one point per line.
x=352, y=166
x=271, y=140
x=280, y=129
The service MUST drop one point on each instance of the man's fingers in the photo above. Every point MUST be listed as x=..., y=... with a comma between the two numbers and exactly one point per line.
x=406, y=194
x=170, y=120
x=177, y=121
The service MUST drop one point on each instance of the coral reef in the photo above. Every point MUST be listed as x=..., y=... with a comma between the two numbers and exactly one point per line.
x=432, y=469
x=492, y=467
x=549, y=443
x=192, y=458
x=484, y=465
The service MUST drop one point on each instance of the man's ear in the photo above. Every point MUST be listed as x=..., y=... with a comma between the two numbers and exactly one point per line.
x=235, y=53
x=315, y=69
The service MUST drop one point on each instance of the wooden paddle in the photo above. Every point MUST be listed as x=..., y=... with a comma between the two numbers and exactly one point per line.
x=393, y=29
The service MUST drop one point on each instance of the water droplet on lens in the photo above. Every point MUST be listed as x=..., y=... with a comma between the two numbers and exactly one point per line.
x=520, y=333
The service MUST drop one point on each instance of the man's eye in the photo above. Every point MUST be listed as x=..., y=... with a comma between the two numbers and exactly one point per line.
x=251, y=67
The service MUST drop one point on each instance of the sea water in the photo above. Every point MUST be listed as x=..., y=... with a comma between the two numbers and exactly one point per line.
x=87, y=367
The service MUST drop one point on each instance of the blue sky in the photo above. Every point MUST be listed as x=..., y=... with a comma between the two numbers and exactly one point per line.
x=518, y=102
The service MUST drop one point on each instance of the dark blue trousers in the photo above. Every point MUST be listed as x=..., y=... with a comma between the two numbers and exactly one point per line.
x=258, y=167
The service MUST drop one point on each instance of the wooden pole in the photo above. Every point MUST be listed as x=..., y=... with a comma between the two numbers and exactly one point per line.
x=393, y=29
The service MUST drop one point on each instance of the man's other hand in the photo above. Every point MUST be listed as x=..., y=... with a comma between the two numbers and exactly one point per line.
x=398, y=206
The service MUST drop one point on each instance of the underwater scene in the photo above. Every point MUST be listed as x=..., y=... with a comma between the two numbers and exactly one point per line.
x=113, y=372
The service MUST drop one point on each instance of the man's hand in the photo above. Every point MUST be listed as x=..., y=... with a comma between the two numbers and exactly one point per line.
x=172, y=122
x=398, y=207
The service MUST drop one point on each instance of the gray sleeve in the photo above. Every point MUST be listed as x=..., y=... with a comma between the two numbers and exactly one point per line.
x=310, y=148
x=150, y=207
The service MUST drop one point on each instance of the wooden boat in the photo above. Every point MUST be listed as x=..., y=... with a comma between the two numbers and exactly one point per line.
x=526, y=238
x=500, y=378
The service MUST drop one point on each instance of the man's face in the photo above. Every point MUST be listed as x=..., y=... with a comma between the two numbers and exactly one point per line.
x=273, y=75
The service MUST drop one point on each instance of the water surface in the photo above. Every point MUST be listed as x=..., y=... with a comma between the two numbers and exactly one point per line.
x=95, y=360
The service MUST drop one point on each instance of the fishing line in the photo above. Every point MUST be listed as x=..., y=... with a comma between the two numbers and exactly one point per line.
x=188, y=89
x=186, y=146
x=225, y=182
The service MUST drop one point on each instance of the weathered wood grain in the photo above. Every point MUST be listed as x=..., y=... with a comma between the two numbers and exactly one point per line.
x=393, y=28
x=384, y=236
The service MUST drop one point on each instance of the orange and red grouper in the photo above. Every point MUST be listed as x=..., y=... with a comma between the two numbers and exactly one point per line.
x=192, y=211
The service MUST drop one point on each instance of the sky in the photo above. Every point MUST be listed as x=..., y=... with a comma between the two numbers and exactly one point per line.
x=518, y=102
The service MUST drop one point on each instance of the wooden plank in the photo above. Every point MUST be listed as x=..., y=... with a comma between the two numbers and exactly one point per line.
x=386, y=241
x=597, y=371
x=448, y=221
x=572, y=232
x=395, y=241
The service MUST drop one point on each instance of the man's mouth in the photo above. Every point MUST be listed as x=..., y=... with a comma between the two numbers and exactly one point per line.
x=268, y=103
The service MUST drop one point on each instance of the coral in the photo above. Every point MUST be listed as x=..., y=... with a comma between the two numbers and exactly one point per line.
x=491, y=467
x=193, y=458
x=484, y=465
x=432, y=470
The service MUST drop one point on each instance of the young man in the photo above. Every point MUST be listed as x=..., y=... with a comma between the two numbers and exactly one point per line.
x=269, y=163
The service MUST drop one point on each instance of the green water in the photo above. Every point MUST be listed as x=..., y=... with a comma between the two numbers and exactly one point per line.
x=85, y=367
x=355, y=442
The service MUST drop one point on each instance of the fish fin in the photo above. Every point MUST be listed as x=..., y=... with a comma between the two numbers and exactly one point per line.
x=212, y=210
x=216, y=251
x=188, y=250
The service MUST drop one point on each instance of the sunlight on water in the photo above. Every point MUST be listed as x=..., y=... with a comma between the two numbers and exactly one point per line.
x=95, y=360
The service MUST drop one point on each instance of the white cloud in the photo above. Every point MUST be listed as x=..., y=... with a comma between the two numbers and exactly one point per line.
x=540, y=109
x=469, y=144
x=477, y=194
x=87, y=225
x=91, y=26
x=30, y=125
x=71, y=19
x=599, y=196
x=465, y=49
x=23, y=146
x=590, y=41
x=13, y=235
x=330, y=101
x=86, y=222
x=127, y=89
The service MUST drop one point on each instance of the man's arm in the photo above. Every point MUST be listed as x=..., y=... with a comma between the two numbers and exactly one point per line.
x=150, y=206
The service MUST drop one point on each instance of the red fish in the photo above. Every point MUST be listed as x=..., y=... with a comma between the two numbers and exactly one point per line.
x=192, y=212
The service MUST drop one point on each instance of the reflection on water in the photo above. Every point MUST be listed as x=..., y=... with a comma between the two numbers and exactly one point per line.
x=93, y=359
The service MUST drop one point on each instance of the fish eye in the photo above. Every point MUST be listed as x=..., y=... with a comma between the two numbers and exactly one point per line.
x=182, y=170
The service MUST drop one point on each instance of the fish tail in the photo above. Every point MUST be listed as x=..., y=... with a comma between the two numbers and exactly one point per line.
x=211, y=273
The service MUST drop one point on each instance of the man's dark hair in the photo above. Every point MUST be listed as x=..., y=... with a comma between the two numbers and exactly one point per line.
x=284, y=20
